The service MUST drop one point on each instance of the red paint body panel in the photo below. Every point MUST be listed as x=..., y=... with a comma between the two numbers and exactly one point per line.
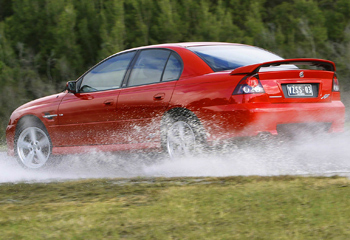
x=252, y=119
x=140, y=110
x=130, y=118
x=37, y=108
x=85, y=119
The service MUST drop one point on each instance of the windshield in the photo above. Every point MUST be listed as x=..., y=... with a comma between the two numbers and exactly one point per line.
x=226, y=57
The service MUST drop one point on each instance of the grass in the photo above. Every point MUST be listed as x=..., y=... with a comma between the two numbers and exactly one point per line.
x=178, y=208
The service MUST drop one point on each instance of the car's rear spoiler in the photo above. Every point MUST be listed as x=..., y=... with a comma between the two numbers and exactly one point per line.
x=325, y=64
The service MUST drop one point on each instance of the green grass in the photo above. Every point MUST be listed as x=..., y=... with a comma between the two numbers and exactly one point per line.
x=178, y=208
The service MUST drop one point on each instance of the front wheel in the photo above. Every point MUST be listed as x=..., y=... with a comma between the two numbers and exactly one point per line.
x=33, y=147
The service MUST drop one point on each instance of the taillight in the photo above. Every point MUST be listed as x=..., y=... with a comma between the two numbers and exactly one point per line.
x=249, y=85
x=335, y=84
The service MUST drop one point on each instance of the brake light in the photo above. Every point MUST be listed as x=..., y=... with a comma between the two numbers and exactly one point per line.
x=335, y=84
x=249, y=85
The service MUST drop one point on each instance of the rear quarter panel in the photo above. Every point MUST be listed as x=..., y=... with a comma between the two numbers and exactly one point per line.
x=208, y=96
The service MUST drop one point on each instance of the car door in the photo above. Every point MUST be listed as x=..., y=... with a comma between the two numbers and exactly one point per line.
x=146, y=94
x=88, y=117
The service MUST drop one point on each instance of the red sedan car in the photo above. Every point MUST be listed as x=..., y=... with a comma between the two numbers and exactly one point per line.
x=177, y=97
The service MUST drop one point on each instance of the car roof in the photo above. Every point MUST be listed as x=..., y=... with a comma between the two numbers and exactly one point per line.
x=185, y=45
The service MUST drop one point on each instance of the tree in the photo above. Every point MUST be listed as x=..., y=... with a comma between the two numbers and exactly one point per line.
x=112, y=28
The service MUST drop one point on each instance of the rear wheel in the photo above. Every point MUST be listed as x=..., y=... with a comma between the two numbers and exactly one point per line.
x=183, y=137
x=33, y=146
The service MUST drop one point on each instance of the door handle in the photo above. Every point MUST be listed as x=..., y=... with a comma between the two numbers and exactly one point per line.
x=159, y=96
x=108, y=102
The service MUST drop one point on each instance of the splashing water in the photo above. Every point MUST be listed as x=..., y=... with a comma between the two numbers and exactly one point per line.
x=319, y=155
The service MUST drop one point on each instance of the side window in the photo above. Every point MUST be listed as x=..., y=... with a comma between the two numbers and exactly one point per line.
x=107, y=75
x=149, y=67
x=173, y=68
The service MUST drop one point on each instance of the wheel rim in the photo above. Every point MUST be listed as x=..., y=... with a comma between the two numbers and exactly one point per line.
x=33, y=147
x=180, y=140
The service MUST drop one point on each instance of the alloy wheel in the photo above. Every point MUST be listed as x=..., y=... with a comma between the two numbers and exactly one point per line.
x=180, y=140
x=33, y=147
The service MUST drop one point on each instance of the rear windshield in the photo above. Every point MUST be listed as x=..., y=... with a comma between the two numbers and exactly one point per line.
x=226, y=57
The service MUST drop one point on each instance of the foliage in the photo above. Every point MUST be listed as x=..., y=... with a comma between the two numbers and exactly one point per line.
x=178, y=208
x=43, y=44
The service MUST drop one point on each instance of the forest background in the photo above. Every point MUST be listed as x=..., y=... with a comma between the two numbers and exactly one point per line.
x=45, y=43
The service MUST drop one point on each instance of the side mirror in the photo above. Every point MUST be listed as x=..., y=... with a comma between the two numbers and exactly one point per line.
x=71, y=86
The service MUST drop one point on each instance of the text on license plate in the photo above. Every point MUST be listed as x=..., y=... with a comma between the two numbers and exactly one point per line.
x=299, y=90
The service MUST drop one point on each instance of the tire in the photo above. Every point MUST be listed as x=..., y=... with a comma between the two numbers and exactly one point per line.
x=183, y=137
x=33, y=146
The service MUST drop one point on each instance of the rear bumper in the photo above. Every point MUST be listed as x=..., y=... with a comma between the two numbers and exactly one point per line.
x=251, y=119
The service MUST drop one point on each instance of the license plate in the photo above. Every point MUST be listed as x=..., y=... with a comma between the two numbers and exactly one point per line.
x=299, y=90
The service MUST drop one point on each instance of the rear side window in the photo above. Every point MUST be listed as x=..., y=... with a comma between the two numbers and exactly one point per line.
x=227, y=57
x=149, y=67
x=173, y=68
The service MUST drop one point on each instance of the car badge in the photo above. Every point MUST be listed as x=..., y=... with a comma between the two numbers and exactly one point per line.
x=325, y=96
x=301, y=74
